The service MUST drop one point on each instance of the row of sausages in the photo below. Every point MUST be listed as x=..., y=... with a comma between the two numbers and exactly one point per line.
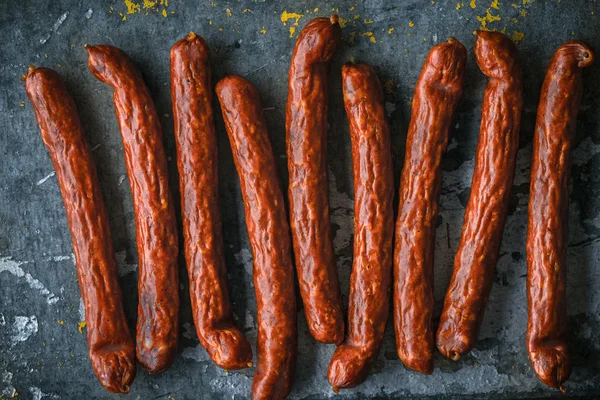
x=386, y=260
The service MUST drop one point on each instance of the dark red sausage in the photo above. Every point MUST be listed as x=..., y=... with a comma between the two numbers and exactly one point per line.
x=477, y=254
x=437, y=93
x=306, y=122
x=110, y=343
x=156, y=230
x=268, y=233
x=548, y=212
x=369, y=299
x=197, y=162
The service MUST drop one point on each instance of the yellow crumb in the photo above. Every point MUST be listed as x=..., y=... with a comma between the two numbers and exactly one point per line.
x=60, y=322
x=316, y=9
x=390, y=30
x=286, y=16
x=495, y=4
x=518, y=36
x=292, y=31
x=164, y=13
x=411, y=24
x=228, y=11
x=368, y=21
x=473, y=3
x=343, y=22
x=372, y=39
x=263, y=31
x=523, y=13
x=80, y=326
x=351, y=59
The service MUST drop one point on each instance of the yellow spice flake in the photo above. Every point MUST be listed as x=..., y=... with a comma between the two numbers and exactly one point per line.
x=351, y=59
x=495, y=4
x=368, y=21
x=411, y=24
x=343, y=22
x=149, y=4
x=390, y=30
x=246, y=10
x=458, y=6
x=80, y=326
x=132, y=7
x=523, y=13
x=286, y=16
x=263, y=31
x=316, y=9
x=60, y=322
x=164, y=13
x=357, y=16
x=210, y=22
x=372, y=39
x=473, y=4
x=488, y=18
x=292, y=31
x=518, y=36
x=228, y=11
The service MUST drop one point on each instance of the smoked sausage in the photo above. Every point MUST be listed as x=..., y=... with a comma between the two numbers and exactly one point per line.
x=156, y=229
x=371, y=277
x=437, y=93
x=548, y=212
x=197, y=162
x=306, y=123
x=268, y=232
x=477, y=254
x=110, y=344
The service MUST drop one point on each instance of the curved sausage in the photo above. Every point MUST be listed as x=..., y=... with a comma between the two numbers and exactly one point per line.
x=437, y=93
x=477, y=254
x=306, y=123
x=197, y=162
x=156, y=230
x=548, y=212
x=111, y=347
x=373, y=227
x=268, y=233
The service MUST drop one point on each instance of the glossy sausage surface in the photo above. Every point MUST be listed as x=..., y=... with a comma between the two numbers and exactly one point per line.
x=477, y=253
x=197, y=161
x=436, y=95
x=268, y=233
x=156, y=230
x=371, y=277
x=110, y=344
x=306, y=123
x=548, y=213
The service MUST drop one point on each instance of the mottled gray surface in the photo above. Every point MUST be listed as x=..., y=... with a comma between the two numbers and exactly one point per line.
x=42, y=354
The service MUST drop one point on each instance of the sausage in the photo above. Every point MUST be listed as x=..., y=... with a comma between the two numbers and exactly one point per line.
x=306, y=123
x=373, y=227
x=477, y=254
x=548, y=212
x=268, y=233
x=111, y=347
x=197, y=162
x=437, y=93
x=156, y=230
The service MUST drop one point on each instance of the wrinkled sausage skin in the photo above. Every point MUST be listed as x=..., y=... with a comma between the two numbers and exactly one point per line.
x=197, y=162
x=268, y=233
x=369, y=298
x=110, y=344
x=548, y=212
x=477, y=253
x=156, y=230
x=436, y=95
x=306, y=123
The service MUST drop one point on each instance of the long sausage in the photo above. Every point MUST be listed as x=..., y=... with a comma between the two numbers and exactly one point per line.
x=110, y=344
x=486, y=211
x=548, y=212
x=306, y=123
x=369, y=299
x=197, y=162
x=268, y=232
x=437, y=93
x=156, y=230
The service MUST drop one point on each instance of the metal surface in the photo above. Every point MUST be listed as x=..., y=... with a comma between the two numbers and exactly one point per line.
x=42, y=353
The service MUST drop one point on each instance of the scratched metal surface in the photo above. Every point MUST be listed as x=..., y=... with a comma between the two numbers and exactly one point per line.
x=42, y=354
